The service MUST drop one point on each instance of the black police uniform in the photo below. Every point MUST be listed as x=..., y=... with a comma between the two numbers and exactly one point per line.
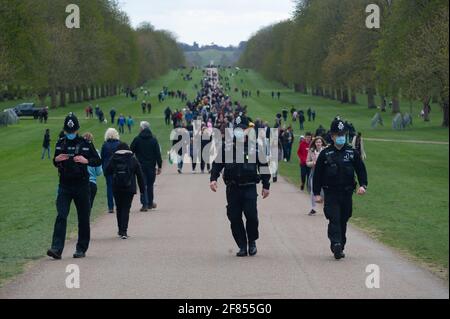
x=241, y=192
x=73, y=185
x=335, y=174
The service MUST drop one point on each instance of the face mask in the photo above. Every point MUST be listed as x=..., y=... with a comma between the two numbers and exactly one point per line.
x=71, y=137
x=341, y=140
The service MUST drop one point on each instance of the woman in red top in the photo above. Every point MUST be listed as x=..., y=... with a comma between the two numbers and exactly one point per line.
x=302, y=153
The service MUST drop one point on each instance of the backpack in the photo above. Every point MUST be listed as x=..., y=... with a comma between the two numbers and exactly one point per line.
x=122, y=176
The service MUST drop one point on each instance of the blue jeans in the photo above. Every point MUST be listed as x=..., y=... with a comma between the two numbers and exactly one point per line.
x=45, y=150
x=109, y=192
x=149, y=180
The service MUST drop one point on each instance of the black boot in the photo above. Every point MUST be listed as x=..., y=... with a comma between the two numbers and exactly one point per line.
x=337, y=251
x=252, y=250
x=54, y=254
x=242, y=252
x=79, y=254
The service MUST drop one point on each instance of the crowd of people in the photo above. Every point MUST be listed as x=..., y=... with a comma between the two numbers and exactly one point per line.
x=125, y=167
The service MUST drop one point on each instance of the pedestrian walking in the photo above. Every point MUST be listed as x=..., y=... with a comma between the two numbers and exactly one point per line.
x=73, y=154
x=147, y=150
x=130, y=123
x=241, y=181
x=335, y=174
x=124, y=169
x=358, y=145
x=46, y=144
x=112, y=140
x=94, y=172
x=317, y=145
x=121, y=122
x=302, y=153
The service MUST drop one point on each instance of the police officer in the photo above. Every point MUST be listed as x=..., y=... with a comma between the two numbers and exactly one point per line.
x=241, y=178
x=73, y=154
x=335, y=174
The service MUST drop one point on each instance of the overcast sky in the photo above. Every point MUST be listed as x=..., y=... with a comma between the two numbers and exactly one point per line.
x=223, y=22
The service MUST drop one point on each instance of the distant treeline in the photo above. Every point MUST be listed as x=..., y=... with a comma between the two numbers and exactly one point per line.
x=196, y=47
x=40, y=56
x=327, y=49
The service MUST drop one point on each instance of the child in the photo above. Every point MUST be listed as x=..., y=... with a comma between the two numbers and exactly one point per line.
x=94, y=172
x=124, y=168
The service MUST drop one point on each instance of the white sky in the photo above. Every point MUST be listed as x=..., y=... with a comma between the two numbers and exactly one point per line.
x=223, y=22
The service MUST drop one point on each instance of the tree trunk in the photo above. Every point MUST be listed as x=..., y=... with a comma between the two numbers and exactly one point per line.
x=53, y=99
x=333, y=93
x=354, y=100
x=426, y=109
x=79, y=95
x=339, y=94
x=371, y=98
x=445, y=113
x=383, y=103
x=86, y=95
x=102, y=94
x=299, y=87
x=62, y=97
x=395, y=105
x=97, y=92
x=92, y=97
x=345, y=97
x=71, y=95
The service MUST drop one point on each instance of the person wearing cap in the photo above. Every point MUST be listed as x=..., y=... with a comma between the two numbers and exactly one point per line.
x=241, y=179
x=73, y=155
x=148, y=152
x=335, y=173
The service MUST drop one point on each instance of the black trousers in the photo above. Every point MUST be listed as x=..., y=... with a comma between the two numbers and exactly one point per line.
x=304, y=172
x=338, y=210
x=149, y=179
x=80, y=195
x=92, y=193
x=123, y=205
x=243, y=200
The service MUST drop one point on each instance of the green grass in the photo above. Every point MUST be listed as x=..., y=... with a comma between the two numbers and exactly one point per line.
x=28, y=185
x=407, y=203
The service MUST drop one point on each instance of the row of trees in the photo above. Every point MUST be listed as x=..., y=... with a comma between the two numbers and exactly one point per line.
x=326, y=48
x=40, y=56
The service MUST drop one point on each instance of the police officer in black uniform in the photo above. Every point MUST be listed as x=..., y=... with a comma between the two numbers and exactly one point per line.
x=241, y=180
x=73, y=154
x=335, y=174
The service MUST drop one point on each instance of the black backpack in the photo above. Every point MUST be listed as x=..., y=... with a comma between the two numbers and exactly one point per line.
x=123, y=175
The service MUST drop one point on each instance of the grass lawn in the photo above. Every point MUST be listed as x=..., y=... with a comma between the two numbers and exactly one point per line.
x=28, y=184
x=407, y=204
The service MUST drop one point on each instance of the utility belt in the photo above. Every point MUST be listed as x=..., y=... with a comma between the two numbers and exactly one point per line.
x=340, y=188
x=254, y=180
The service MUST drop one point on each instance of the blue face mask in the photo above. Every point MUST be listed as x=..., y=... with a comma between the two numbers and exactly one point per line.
x=341, y=140
x=71, y=137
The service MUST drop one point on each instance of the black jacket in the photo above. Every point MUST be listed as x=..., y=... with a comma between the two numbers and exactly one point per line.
x=147, y=150
x=240, y=173
x=135, y=168
x=46, y=142
x=71, y=173
x=335, y=170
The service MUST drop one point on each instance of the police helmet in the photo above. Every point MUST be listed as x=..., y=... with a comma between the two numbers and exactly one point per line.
x=241, y=122
x=71, y=124
x=338, y=127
